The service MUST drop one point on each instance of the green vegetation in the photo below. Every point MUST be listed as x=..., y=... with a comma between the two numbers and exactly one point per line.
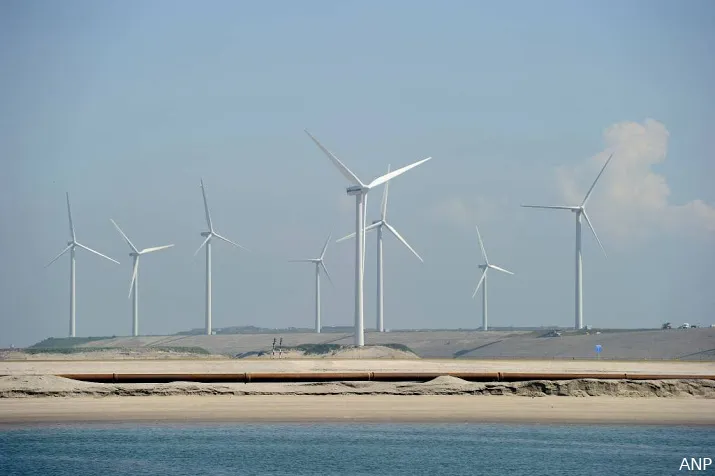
x=322, y=349
x=401, y=347
x=65, y=342
x=77, y=350
x=317, y=349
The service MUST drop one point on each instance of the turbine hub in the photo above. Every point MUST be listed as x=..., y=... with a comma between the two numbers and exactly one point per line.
x=356, y=190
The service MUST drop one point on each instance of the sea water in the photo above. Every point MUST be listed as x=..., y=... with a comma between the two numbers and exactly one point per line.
x=351, y=449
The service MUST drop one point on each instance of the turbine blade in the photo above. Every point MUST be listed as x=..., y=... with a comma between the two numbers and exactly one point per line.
x=484, y=273
x=594, y=232
x=493, y=266
x=391, y=175
x=126, y=238
x=588, y=194
x=202, y=244
x=481, y=245
x=347, y=173
x=69, y=214
x=206, y=206
x=326, y=273
x=404, y=242
x=134, y=276
x=230, y=242
x=58, y=256
x=325, y=246
x=155, y=248
x=96, y=252
x=559, y=207
x=367, y=229
x=383, y=207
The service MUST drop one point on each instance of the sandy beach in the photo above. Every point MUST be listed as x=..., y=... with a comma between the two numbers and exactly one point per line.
x=59, y=366
x=32, y=392
x=281, y=408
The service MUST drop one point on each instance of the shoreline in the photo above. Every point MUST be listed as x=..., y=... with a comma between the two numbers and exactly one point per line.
x=20, y=412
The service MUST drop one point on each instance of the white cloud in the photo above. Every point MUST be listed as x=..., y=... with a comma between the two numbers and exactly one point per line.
x=462, y=212
x=631, y=199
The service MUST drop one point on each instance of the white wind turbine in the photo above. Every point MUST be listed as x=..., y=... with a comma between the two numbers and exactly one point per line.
x=207, y=242
x=486, y=267
x=378, y=225
x=360, y=191
x=580, y=210
x=134, y=284
x=71, y=245
x=318, y=264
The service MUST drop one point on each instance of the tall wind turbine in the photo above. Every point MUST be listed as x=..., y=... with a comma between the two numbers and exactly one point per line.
x=134, y=284
x=71, y=245
x=580, y=210
x=378, y=225
x=207, y=242
x=486, y=267
x=360, y=190
x=318, y=264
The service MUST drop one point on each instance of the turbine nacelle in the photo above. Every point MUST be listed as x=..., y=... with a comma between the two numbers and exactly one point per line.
x=357, y=189
x=206, y=233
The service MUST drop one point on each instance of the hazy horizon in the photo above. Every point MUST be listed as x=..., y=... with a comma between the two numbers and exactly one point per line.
x=127, y=106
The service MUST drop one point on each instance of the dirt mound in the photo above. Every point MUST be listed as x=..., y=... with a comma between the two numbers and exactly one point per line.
x=447, y=380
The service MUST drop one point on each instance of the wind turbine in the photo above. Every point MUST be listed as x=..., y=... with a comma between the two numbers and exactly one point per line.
x=71, y=245
x=207, y=242
x=134, y=284
x=579, y=211
x=360, y=190
x=318, y=264
x=378, y=225
x=486, y=267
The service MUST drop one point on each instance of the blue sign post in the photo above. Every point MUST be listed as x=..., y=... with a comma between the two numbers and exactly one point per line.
x=598, y=351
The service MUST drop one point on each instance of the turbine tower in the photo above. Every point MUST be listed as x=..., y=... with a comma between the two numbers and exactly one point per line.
x=486, y=267
x=360, y=190
x=580, y=210
x=134, y=284
x=211, y=233
x=318, y=264
x=71, y=245
x=378, y=225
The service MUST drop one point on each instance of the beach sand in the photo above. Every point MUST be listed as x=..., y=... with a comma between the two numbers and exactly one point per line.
x=358, y=408
x=55, y=367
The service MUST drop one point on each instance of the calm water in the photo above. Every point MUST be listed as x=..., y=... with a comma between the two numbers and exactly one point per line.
x=369, y=449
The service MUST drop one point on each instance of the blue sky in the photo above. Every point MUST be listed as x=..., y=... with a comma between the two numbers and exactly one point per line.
x=126, y=105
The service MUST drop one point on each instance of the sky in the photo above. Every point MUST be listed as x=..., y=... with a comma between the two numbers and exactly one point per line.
x=127, y=105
